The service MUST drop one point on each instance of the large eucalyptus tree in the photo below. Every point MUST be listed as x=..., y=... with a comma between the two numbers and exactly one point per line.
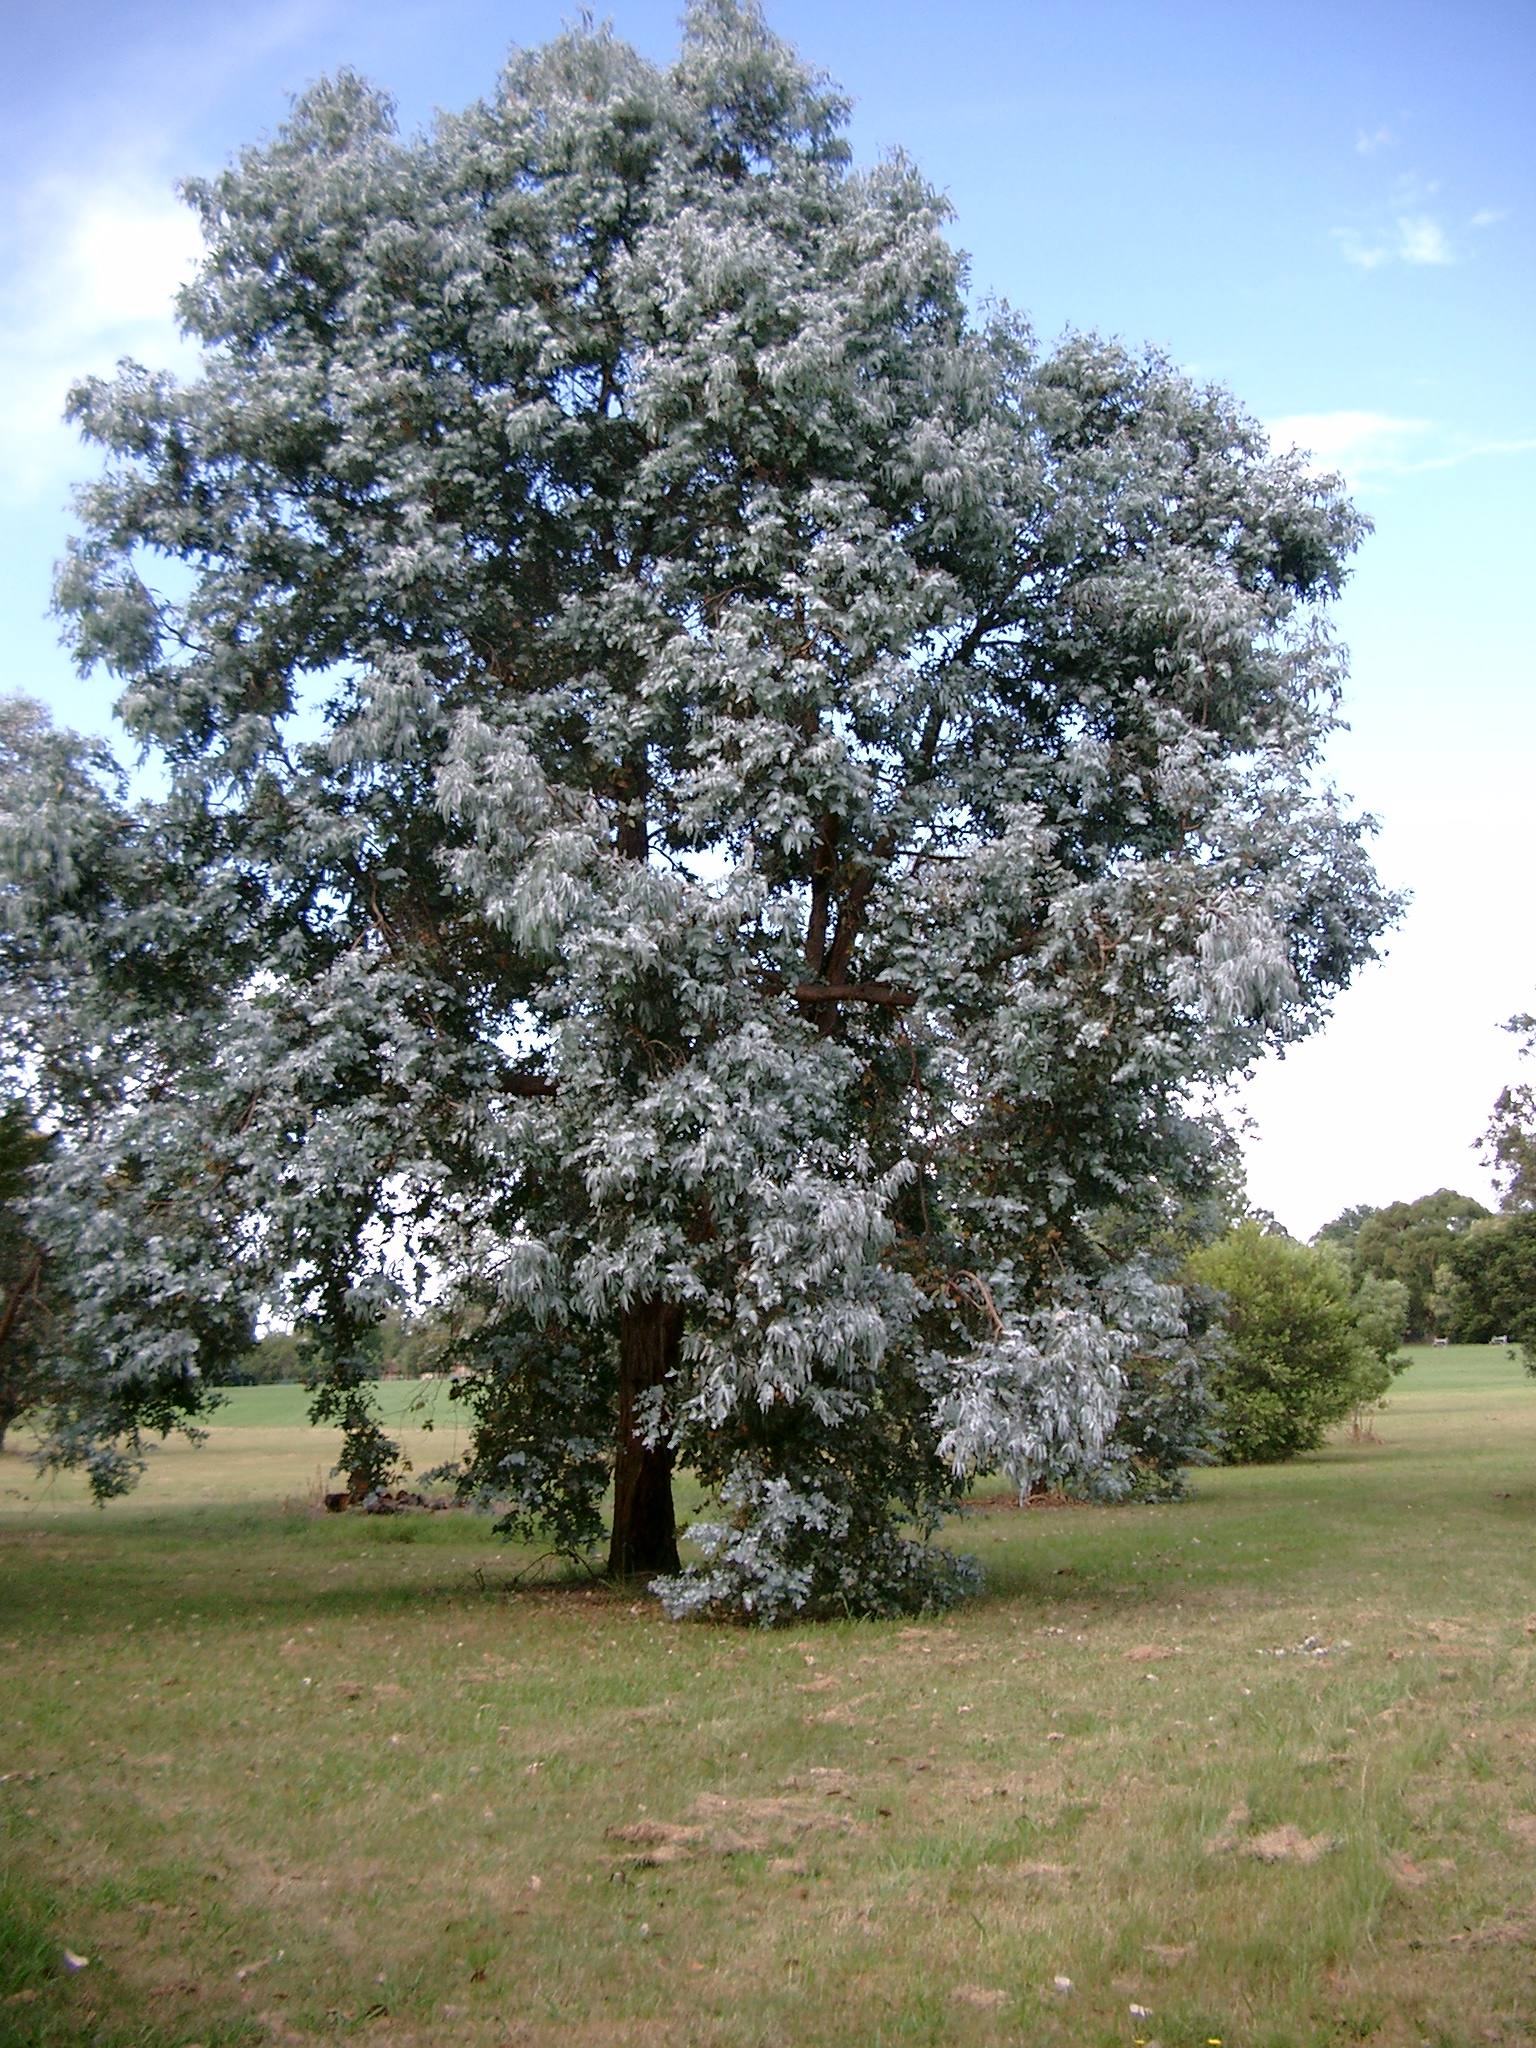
x=719, y=811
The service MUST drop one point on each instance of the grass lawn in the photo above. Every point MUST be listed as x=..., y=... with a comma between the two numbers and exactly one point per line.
x=1262, y=1765
x=260, y=1449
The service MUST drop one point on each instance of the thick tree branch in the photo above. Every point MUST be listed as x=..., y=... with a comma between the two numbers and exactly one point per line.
x=856, y=992
x=27, y=1290
x=633, y=838
x=822, y=862
x=850, y=916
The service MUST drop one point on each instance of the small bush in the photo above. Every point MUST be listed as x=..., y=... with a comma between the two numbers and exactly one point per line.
x=1295, y=1361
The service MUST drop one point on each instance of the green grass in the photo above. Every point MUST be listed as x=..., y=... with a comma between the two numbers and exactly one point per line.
x=402, y=1404
x=383, y=1781
x=259, y=1448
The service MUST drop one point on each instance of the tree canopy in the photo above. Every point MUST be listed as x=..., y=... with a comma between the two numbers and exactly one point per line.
x=719, y=810
x=1509, y=1144
x=1410, y=1242
x=1491, y=1285
x=1344, y=1231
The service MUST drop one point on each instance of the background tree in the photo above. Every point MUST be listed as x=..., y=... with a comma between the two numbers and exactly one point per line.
x=396, y=1347
x=1380, y=1309
x=1344, y=1231
x=1491, y=1284
x=108, y=993
x=808, y=792
x=1509, y=1144
x=1296, y=1361
x=1409, y=1241
x=274, y=1361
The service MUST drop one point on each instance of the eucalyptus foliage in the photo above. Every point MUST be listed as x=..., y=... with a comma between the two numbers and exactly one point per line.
x=718, y=809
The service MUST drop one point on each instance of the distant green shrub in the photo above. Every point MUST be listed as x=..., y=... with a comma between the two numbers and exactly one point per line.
x=1296, y=1359
x=274, y=1362
x=395, y=1347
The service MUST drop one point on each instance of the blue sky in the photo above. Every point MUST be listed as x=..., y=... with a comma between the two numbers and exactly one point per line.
x=1327, y=207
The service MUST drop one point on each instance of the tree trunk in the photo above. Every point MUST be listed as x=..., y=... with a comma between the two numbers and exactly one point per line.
x=644, y=1529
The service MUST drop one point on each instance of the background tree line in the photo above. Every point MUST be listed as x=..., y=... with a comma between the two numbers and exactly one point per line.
x=1286, y=1338
x=396, y=1347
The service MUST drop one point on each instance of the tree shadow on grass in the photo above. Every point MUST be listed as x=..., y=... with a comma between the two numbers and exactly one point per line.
x=237, y=1566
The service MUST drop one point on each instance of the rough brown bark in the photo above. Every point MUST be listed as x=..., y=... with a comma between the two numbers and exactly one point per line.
x=10, y=1409
x=644, y=1526
x=24, y=1299
x=823, y=866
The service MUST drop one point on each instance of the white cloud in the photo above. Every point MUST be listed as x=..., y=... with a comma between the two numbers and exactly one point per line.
x=1371, y=448
x=1487, y=218
x=92, y=271
x=1369, y=140
x=1422, y=240
x=1357, y=443
x=1411, y=238
x=1354, y=249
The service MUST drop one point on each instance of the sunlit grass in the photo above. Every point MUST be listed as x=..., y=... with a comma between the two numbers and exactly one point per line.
x=259, y=1448
x=465, y=1812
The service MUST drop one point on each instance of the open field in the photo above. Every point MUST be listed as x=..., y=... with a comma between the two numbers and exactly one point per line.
x=288, y=1777
x=259, y=1448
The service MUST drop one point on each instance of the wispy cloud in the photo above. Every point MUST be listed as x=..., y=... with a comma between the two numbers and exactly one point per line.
x=1421, y=239
x=1409, y=226
x=1369, y=140
x=1372, y=448
x=1416, y=238
x=92, y=270
x=1353, y=442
